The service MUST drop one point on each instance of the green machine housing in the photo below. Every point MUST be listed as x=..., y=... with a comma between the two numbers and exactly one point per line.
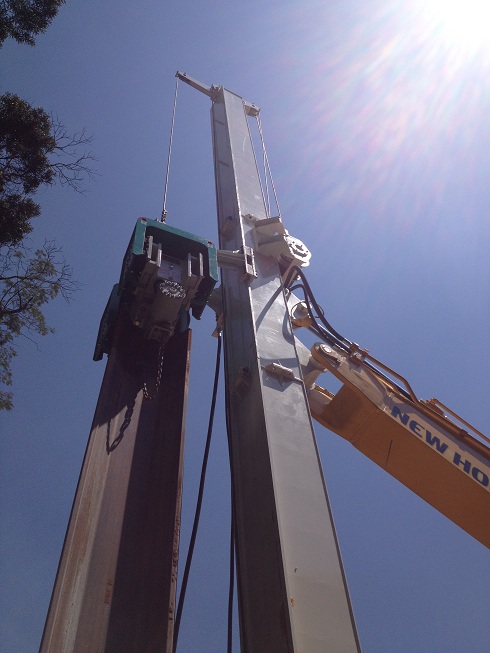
x=165, y=274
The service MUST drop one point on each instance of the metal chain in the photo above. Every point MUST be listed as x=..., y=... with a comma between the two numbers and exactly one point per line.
x=153, y=394
x=164, y=209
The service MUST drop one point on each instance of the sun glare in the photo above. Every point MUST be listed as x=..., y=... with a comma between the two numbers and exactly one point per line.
x=463, y=23
x=400, y=97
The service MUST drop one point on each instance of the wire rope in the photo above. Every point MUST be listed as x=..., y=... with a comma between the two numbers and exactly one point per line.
x=264, y=165
x=163, y=217
x=267, y=171
x=266, y=193
x=192, y=541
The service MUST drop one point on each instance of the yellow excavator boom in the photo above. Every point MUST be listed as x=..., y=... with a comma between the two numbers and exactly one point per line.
x=413, y=440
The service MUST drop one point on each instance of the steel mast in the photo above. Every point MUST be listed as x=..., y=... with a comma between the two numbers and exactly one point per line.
x=115, y=587
x=116, y=583
x=292, y=591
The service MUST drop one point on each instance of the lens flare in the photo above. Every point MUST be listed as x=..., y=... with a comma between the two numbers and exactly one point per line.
x=462, y=24
x=396, y=103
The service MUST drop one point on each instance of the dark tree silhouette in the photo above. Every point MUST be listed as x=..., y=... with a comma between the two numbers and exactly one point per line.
x=35, y=149
x=22, y=20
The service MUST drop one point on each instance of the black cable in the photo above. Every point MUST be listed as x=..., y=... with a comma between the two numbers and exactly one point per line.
x=379, y=372
x=327, y=332
x=322, y=332
x=232, y=522
x=197, y=515
x=318, y=308
x=296, y=271
x=231, y=589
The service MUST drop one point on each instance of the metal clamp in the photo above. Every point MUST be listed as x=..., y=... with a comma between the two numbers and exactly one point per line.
x=272, y=239
x=242, y=259
x=281, y=371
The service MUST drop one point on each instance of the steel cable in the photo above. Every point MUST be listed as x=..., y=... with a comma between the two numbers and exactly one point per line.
x=163, y=217
x=267, y=169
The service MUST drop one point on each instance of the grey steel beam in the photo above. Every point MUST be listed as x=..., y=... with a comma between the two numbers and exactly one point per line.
x=212, y=91
x=292, y=591
x=116, y=582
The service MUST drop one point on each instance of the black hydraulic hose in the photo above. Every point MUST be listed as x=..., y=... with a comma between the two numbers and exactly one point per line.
x=401, y=390
x=329, y=334
x=320, y=330
x=197, y=515
x=231, y=587
x=295, y=270
x=324, y=333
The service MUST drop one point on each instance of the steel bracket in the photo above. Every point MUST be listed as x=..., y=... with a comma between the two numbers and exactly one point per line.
x=241, y=259
x=281, y=371
x=272, y=239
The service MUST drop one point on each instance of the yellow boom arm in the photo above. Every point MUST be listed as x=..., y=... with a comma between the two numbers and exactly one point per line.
x=414, y=441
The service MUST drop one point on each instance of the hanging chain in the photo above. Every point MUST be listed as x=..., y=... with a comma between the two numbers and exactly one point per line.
x=151, y=394
x=267, y=169
x=164, y=209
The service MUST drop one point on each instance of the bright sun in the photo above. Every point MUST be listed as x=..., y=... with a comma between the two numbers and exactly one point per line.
x=463, y=22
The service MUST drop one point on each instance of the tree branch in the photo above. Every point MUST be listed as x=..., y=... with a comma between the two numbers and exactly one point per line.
x=73, y=167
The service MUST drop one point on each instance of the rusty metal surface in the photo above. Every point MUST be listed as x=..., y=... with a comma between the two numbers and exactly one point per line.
x=116, y=582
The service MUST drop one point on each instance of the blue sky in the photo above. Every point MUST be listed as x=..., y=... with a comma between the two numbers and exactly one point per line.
x=375, y=117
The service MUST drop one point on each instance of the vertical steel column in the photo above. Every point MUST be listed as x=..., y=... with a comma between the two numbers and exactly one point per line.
x=291, y=586
x=115, y=587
